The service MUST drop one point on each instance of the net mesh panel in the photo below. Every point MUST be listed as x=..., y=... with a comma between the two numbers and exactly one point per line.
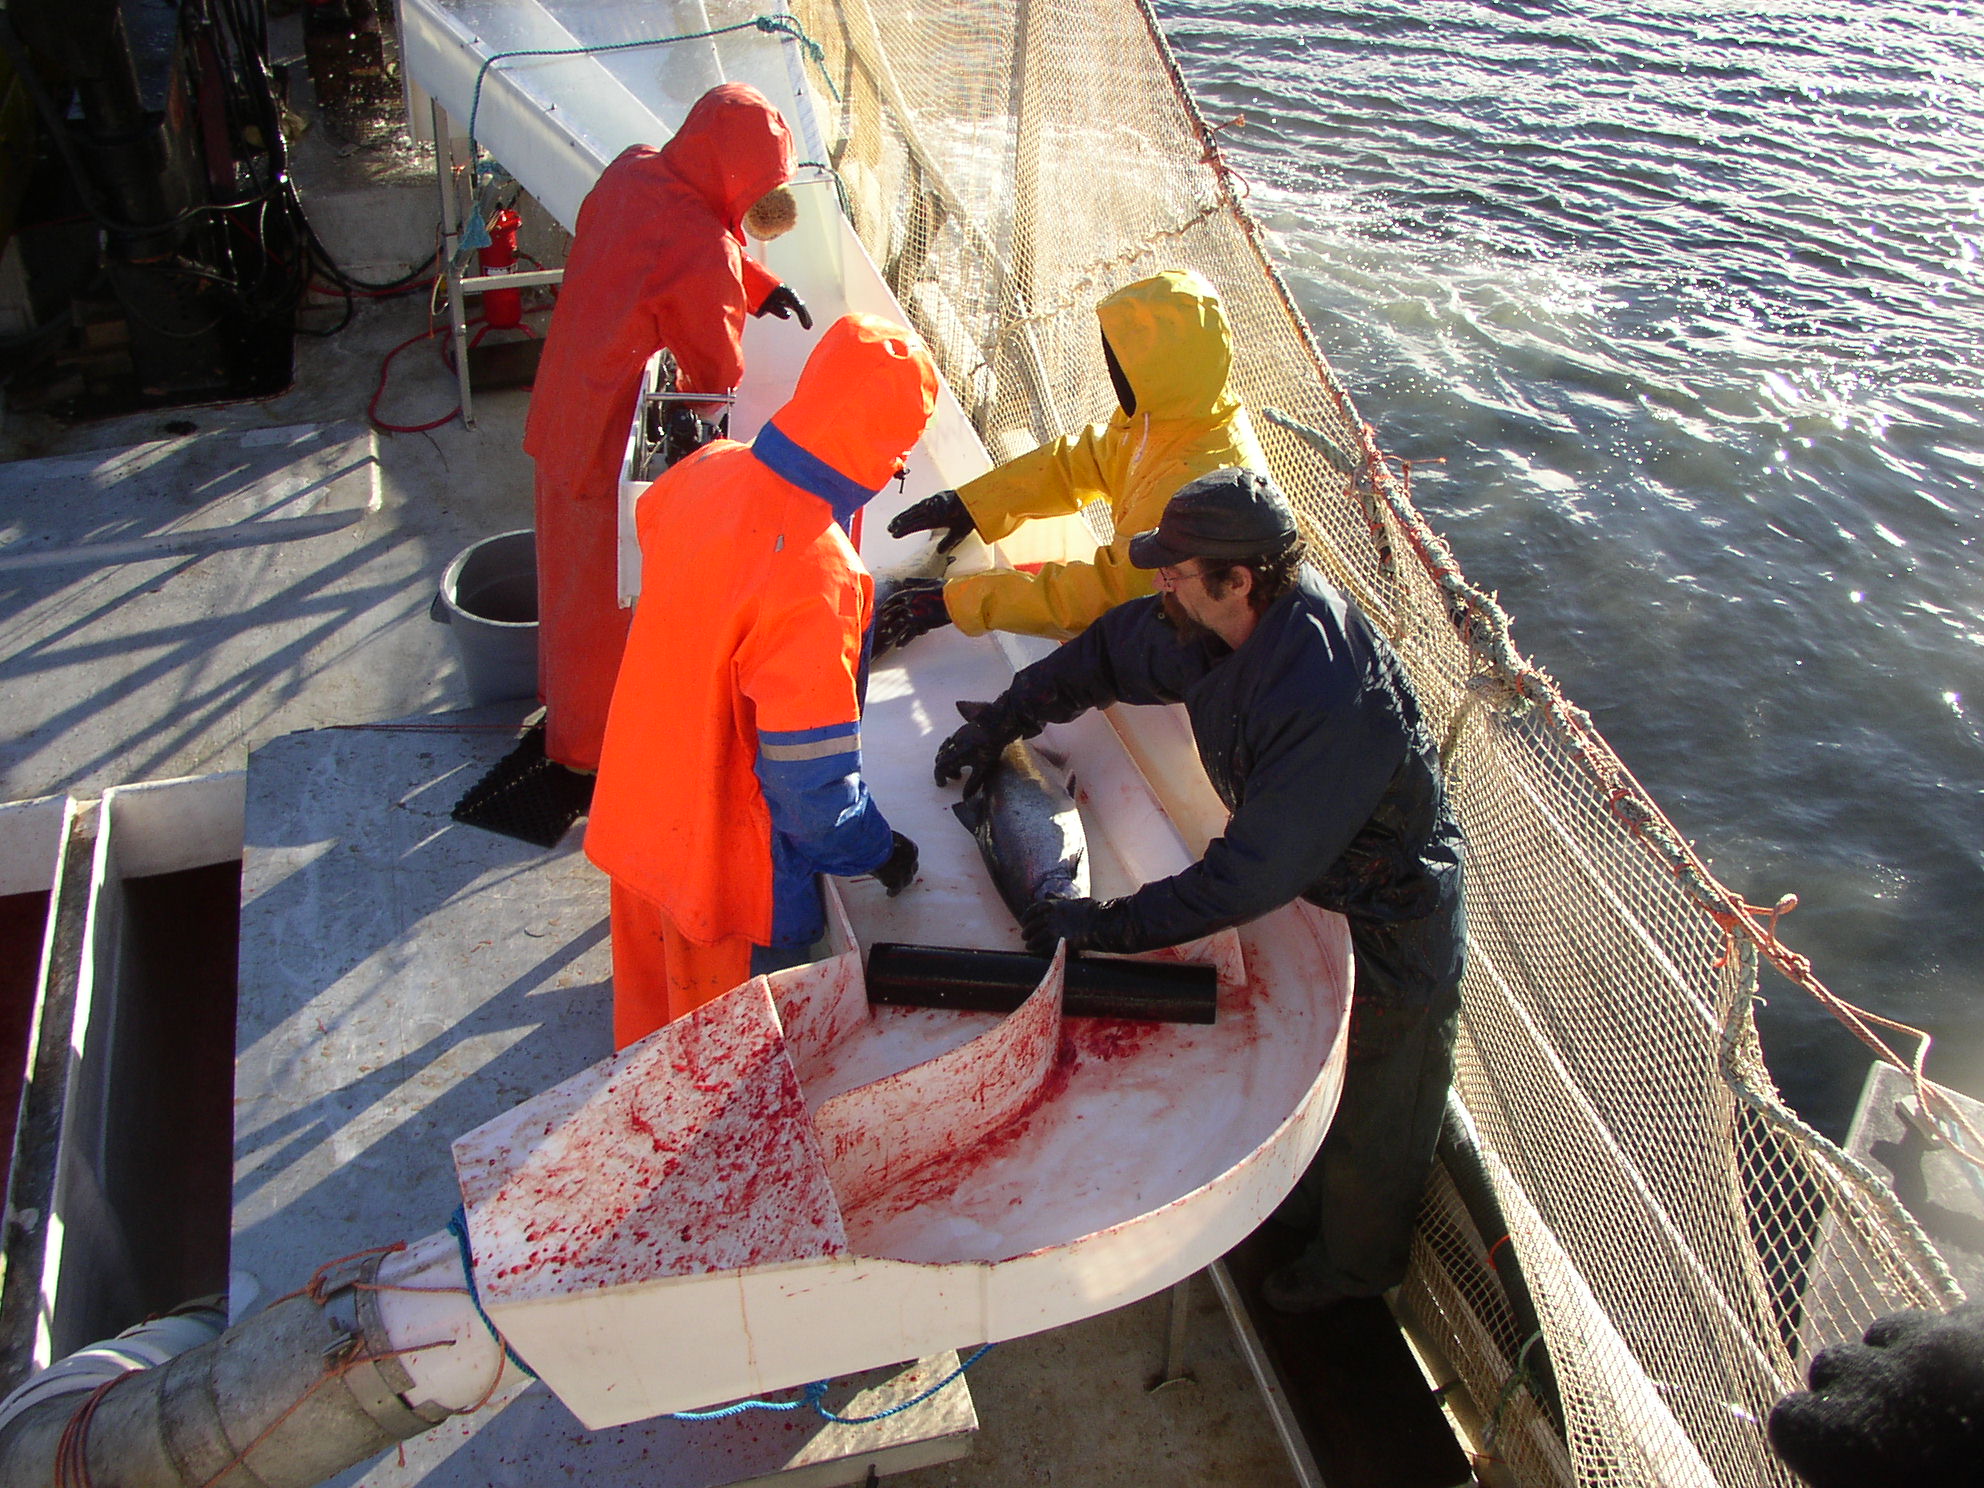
x=1010, y=162
x=1452, y=1292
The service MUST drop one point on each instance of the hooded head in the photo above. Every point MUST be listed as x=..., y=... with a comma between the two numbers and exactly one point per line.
x=1169, y=336
x=731, y=150
x=862, y=401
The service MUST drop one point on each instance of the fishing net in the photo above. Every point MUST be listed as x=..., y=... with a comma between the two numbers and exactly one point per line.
x=1686, y=1243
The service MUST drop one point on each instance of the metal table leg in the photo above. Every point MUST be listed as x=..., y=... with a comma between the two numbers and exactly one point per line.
x=1300, y=1459
x=451, y=237
x=1174, y=1349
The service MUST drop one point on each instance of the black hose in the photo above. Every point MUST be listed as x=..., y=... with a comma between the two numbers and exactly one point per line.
x=1461, y=1156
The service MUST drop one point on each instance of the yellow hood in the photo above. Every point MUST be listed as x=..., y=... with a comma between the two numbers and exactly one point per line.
x=1171, y=339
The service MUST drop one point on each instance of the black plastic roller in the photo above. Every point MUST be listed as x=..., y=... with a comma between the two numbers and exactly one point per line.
x=999, y=981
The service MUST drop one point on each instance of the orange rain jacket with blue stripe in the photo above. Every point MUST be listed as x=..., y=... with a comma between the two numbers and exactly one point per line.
x=657, y=261
x=731, y=773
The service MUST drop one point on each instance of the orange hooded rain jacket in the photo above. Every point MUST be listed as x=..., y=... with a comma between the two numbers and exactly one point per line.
x=731, y=773
x=658, y=261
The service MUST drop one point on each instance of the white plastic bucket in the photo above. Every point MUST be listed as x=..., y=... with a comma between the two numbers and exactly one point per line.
x=488, y=598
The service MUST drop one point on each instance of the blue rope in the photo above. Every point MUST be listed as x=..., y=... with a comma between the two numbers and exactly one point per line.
x=772, y=25
x=894, y=1410
x=742, y=1406
x=815, y=1396
x=458, y=1227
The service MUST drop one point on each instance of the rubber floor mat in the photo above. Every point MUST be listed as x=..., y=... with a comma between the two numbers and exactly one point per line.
x=527, y=796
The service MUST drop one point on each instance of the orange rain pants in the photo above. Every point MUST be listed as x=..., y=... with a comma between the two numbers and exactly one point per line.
x=659, y=974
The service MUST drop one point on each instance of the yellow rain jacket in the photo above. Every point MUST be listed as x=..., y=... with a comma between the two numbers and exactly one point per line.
x=1170, y=338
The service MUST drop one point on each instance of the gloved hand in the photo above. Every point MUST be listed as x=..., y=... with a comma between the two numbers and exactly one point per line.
x=946, y=509
x=974, y=749
x=1050, y=921
x=899, y=867
x=783, y=303
x=1904, y=1407
x=909, y=609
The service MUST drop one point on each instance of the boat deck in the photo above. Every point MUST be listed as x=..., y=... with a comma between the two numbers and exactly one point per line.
x=1072, y=1402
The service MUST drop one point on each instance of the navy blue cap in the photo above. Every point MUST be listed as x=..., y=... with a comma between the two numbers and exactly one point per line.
x=1230, y=513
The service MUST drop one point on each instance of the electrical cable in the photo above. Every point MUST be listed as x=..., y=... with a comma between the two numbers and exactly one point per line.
x=372, y=294
x=379, y=390
x=256, y=248
x=255, y=257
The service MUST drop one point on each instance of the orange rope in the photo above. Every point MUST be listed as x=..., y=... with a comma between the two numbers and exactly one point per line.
x=329, y=1375
x=72, y=1451
x=394, y=1286
x=1931, y=1097
x=494, y=1380
x=314, y=1287
x=72, y=1468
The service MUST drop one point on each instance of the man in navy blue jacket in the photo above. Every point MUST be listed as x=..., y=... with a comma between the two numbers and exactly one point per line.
x=1310, y=732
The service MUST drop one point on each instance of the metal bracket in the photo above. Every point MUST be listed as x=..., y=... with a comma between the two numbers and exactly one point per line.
x=461, y=285
x=648, y=439
x=380, y=1385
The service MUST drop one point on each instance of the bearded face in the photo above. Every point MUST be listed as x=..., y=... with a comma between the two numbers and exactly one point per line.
x=1190, y=632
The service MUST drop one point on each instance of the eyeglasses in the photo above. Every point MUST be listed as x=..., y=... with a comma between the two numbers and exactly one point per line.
x=1173, y=576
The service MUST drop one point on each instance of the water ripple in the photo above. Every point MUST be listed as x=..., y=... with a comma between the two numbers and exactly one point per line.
x=1692, y=301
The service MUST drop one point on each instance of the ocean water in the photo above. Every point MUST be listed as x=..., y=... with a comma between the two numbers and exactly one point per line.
x=1689, y=299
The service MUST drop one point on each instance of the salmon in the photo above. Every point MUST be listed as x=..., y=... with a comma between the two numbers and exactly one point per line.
x=1028, y=829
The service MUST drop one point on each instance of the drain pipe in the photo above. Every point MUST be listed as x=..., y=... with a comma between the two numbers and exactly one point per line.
x=375, y=1350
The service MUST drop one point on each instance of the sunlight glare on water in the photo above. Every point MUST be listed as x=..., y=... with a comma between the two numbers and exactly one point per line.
x=1690, y=300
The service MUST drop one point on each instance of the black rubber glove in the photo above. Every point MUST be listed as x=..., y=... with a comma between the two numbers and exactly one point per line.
x=1906, y=1407
x=899, y=868
x=783, y=303
x=946, y=509
x=910, y=608
x=1047, y=922
x=974, y=749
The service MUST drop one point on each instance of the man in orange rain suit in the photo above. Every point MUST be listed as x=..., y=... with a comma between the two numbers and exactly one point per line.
x=731, y=774
x=658, y=261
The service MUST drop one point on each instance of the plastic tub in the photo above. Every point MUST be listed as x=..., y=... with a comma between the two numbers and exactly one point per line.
x=488, y=599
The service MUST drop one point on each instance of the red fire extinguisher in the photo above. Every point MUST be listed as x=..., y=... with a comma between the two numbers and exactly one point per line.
x=502, y=309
